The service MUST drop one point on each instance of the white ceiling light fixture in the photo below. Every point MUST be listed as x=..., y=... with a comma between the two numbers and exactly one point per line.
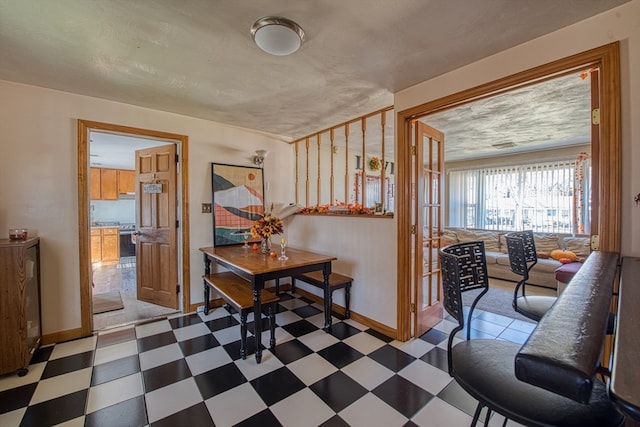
x=277, y=36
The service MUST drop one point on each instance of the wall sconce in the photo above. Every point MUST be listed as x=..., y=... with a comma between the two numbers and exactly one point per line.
x=258, y=159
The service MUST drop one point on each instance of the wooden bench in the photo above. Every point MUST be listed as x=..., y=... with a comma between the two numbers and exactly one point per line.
x=336, y=281
x=238, y=293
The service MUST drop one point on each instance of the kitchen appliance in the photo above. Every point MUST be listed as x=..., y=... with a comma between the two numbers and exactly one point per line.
x=127, y=242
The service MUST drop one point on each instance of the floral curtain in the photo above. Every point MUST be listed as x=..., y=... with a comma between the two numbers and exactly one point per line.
x=582, y=193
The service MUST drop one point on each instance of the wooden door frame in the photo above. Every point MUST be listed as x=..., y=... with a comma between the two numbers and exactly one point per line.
x=84, y=128
x=607, y=156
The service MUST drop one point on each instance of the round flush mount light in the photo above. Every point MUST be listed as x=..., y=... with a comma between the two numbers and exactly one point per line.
x=277, y=36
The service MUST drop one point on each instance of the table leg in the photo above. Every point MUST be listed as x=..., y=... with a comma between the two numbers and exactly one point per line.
x=207, y=270
x=257, y=322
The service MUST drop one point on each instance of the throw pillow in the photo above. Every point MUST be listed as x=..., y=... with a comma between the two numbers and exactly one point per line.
x=559, y=254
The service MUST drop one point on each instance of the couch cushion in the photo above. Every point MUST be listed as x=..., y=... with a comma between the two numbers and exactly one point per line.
x=492, y=257
x=565, y=272
x=546, y=242
x=543, y=265
x=490, y=238
x=579, y=245
x=450, y=236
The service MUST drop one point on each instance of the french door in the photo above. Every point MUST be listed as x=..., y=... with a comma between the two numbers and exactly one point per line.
x=428, y=167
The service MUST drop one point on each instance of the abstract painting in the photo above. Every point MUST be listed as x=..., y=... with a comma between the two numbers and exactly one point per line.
x=238, y=201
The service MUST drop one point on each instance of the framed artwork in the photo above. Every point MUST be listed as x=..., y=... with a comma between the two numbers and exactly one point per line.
x=238, y=201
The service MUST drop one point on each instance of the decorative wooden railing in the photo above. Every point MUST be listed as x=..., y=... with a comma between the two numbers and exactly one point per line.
x=373, y=159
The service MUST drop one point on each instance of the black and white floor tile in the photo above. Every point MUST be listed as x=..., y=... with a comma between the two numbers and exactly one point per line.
x=186, y=371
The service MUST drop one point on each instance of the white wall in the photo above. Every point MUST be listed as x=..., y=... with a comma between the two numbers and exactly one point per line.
x=620, y=24
x=365, y=248
x=38, y=179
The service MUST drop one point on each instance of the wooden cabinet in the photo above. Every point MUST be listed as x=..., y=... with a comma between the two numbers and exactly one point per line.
x=94, y=183
x=20, y=329
x=126, y=181
x=96, y=245
x=104, y=184
x=110, y=244
x=109, y=184
x=105, y=244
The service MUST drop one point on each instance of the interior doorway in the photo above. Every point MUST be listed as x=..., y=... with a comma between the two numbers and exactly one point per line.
x=116, y=289
x=605, y=150
x=108, y=218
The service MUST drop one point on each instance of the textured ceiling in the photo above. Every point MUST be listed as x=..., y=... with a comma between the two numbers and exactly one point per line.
x=551, y=114
x=197, y=58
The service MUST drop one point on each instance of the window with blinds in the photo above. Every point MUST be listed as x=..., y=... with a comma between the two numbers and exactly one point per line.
x=545, y=197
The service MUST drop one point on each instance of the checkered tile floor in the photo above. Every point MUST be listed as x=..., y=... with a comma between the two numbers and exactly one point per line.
x=186, y=371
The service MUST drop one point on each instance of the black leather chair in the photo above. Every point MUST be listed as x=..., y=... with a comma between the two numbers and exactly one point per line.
x=485, y=369
x=522, y=257
x=472, y=271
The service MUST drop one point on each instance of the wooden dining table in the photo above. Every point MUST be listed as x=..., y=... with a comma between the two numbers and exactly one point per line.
x=258, y=268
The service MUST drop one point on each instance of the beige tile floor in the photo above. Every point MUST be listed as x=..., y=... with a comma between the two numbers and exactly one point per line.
x=122, y=277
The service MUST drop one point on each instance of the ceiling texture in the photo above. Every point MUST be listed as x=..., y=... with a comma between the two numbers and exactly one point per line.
x=197, y=57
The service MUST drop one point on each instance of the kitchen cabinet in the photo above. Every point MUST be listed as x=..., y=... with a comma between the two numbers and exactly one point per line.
x=96, y=245
x=110, y=244
x=105, y=244
x=126, y=181
x=94, y=183
x=20, y=329
x=104, y=184
x=108, y=184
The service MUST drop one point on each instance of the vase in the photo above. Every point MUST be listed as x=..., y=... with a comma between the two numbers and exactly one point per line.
x=265, y=246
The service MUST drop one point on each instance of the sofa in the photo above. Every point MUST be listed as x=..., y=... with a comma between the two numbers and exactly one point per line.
x=542, y=274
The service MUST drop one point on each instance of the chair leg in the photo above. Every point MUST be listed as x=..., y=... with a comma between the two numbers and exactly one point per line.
x=243, y=334
x=476, y=414
x=278, y=286
x=486, y=418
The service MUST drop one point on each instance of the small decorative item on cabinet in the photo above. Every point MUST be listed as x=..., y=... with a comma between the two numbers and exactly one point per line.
x=18, y=233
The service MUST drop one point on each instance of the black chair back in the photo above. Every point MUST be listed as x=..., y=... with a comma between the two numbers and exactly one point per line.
x=522, y=252
x=464, y=268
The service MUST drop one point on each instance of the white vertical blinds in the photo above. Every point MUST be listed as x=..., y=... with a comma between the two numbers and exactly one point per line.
x=516, y=197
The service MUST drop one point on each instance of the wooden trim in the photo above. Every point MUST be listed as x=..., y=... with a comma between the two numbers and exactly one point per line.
x=297, y=155
x=62, y=336
x=404, y=239
x=306, y=181
x=348, y=215
x=607, y=59
x=366, y=321
x=331, y=177
x=83, y=128
x=183, y=194
x=86, y=314
x=319, y=178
